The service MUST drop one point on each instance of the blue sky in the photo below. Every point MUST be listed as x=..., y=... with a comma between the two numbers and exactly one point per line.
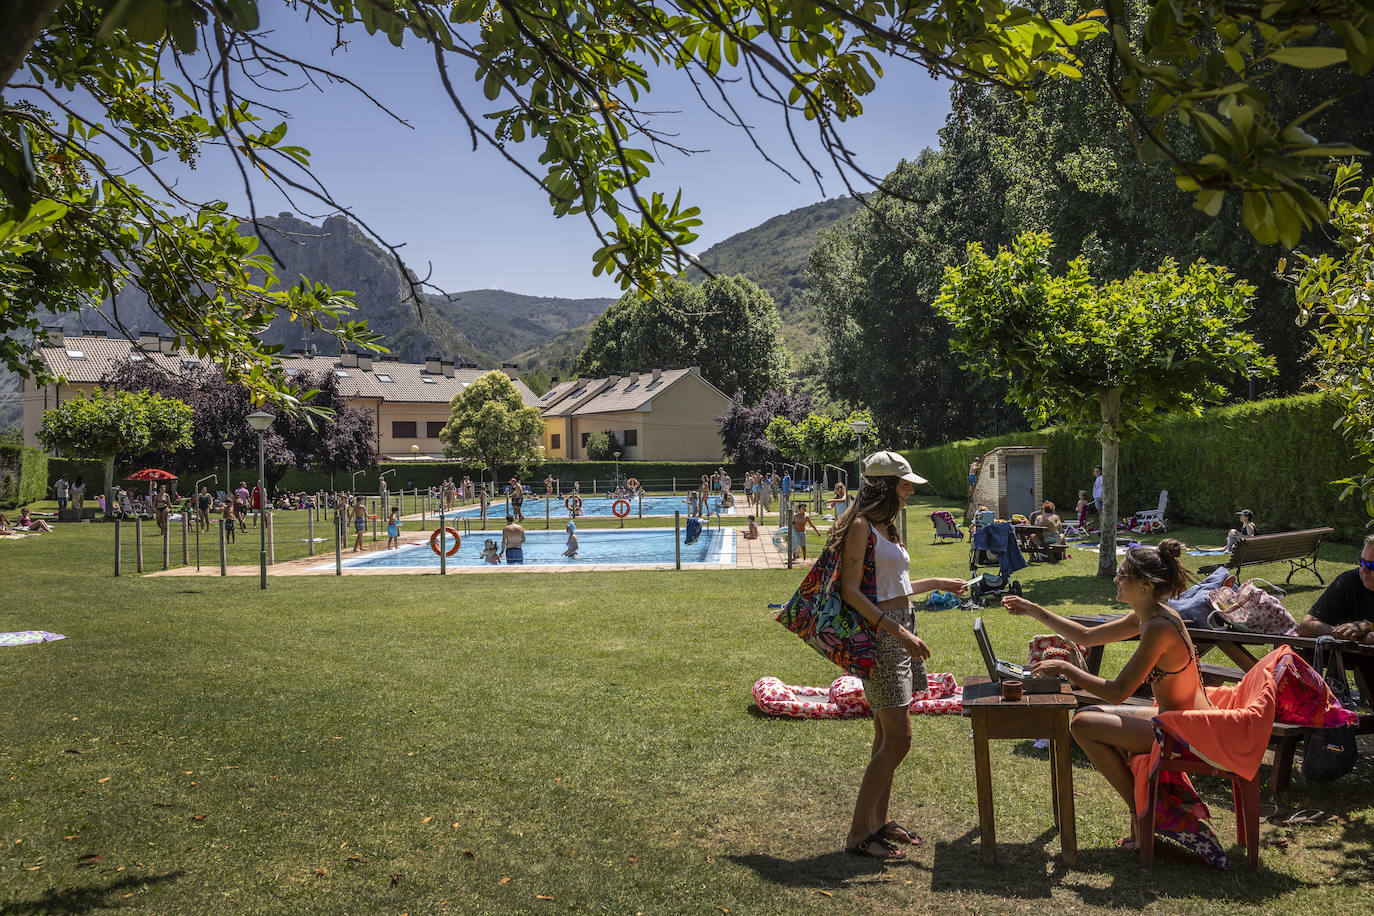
x=478, y=221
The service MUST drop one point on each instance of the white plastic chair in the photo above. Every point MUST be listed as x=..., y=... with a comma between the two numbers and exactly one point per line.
x=1154, y=517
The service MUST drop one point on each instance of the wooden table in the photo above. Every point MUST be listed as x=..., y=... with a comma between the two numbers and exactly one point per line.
x=1033, y=716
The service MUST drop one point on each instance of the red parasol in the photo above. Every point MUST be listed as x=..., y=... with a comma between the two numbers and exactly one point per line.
x=152, y=474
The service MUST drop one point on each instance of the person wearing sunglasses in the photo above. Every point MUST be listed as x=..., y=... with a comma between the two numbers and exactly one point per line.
x=1346, y=609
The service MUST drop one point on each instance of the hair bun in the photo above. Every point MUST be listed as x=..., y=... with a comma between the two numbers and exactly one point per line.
x=1171, y=548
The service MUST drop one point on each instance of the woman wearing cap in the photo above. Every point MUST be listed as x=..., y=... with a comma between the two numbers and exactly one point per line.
x=875, y=581
x=1246, y=529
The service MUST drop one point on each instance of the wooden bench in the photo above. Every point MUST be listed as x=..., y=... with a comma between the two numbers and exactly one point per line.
x=1299, y=548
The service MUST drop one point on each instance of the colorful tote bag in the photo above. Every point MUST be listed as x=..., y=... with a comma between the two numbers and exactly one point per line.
x=818, y=615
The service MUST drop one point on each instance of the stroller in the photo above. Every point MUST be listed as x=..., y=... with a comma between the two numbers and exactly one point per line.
x=993, y=543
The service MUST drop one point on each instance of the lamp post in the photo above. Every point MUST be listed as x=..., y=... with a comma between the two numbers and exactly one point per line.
x=860, y=427
x=415, y=452
x=616, y=455
x=228, y=481
x=260, y=420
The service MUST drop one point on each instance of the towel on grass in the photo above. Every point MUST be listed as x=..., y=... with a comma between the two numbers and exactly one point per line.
x=28, y=637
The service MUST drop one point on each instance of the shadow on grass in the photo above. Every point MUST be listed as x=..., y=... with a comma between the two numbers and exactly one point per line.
x=1019, y=872
x=85, y=899
x=830, y=869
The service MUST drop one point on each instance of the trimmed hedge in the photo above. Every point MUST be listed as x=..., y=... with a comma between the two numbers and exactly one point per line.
x=23, y=475
x=432, y=473
x=1277, y=457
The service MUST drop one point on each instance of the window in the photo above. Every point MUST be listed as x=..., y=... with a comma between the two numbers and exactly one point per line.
x=428, y=380
x=433, y=428
x=383, y=377
x=342, y=373
x=75, y=354
x=631, y=437
x=292, y=373
x=584, y=439
x=136, y=357
x=187, y=363
x=556, y=440
x=403, y=429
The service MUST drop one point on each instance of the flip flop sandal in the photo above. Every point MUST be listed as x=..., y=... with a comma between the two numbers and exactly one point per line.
x=894, y=832
x=875, y=847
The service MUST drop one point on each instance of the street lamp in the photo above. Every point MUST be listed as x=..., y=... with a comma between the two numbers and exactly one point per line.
x=260, y=420
x=228, y=481
x=860, y=427
x=415, y=453
x=616, y=455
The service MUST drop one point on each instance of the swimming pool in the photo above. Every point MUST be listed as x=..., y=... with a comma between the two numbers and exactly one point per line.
x=599, y=506
x=545, y=548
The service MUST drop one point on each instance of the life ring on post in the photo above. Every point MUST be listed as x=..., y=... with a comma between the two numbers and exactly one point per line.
x=434, y=540
x=573, y=503
x=632, y=483
x=621, y=508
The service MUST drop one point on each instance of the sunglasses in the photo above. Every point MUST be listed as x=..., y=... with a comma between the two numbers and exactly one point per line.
x=1365, y=564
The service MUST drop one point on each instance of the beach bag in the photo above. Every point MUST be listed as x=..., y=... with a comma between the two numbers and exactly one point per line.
x=942, y=601
x=822, y=620
x=1251, y=609
x=1330, y=753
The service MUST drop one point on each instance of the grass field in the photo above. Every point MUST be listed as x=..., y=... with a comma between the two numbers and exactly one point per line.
x=534, y=744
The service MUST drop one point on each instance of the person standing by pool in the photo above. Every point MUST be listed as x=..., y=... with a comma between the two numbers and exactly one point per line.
x=800, y=521
x=162, y=509
x=517, y=499
x=393, y=529
x=359, y=523
x=513, y=542
x=875, y=582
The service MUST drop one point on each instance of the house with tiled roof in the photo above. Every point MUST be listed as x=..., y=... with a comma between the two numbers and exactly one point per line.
x=659, y=415
x=408, y=402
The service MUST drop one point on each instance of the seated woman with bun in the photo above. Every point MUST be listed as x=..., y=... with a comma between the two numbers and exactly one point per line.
x=1165, y=657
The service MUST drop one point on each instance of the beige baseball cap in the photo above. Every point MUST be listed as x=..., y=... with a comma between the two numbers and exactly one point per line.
x=890, y=464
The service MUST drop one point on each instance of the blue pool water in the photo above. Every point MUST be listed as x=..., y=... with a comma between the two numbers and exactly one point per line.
x=599, y=506
x=545, y=548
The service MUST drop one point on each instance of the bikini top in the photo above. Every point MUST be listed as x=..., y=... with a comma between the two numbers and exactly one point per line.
x=1157, y=674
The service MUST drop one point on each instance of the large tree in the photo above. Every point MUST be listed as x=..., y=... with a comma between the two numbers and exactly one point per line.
x=1100, y=358
x=744, y=427
x=727, y=325
x=491, y=426
x=296, y=439
x=1334, y=293
x=97, y=93
x=108, y=425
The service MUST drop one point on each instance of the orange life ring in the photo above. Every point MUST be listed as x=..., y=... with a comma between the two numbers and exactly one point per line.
x=569, y=503
x=434, y=540
x=621, y=508
x=632, y=483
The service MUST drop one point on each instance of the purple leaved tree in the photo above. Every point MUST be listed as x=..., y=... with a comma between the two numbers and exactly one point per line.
x=742, y=429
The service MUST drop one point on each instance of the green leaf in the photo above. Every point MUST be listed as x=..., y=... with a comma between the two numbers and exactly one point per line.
x=1311, y=57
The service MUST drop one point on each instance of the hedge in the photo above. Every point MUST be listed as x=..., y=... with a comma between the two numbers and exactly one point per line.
x=432, y=473
x=23, y=475
x=1276, y=457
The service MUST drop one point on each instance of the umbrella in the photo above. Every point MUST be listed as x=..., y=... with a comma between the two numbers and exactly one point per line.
x=152, y=474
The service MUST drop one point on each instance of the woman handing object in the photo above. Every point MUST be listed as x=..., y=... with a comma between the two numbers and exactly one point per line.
x=875, y=582
x=1165, y=657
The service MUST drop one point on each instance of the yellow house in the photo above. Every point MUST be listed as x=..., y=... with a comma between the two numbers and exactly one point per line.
x=661, y=415
x=408, y=402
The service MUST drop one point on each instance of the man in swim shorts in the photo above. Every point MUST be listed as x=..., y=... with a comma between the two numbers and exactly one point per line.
x=513, y=542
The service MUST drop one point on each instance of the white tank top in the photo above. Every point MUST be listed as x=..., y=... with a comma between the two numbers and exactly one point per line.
x=892, y=565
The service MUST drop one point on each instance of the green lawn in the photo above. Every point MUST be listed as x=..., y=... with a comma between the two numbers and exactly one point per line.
x=477, y=744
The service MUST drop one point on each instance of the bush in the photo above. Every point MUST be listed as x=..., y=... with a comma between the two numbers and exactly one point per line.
x=602, y=446
x=23, y=475
x=1277, y=457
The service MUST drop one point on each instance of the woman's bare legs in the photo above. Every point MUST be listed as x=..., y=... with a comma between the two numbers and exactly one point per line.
x=1107, y=735
x=891, y=742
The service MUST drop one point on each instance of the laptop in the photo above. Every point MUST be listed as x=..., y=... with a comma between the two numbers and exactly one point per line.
x=1000, y=670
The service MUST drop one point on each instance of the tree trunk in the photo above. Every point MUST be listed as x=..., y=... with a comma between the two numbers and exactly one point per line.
x=1110, y=437
x=110, y=502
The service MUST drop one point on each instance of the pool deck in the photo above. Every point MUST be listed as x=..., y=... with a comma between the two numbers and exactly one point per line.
x=756, y=554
